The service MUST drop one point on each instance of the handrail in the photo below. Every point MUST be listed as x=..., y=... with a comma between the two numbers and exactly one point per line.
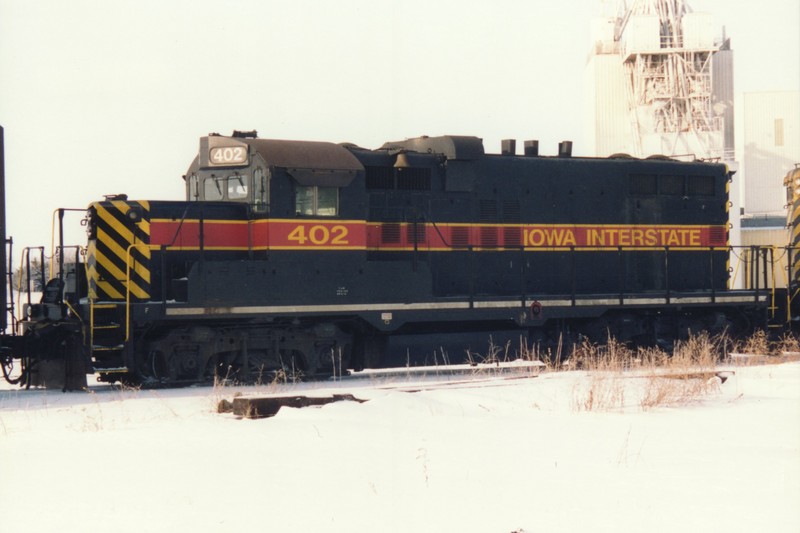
x=772, y=290
x=74, y=312
x=788, y=253
x=739, y=260
x=749, y=257
x=128, y=263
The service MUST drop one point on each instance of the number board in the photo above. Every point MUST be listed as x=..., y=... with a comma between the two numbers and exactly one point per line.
x=228, y=155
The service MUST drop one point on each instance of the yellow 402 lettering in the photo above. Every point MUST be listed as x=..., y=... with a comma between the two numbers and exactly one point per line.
x=320, y=235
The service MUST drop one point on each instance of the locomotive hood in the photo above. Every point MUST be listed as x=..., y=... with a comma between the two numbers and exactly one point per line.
x=451, y=146
x=276, y=153
x=305, y=161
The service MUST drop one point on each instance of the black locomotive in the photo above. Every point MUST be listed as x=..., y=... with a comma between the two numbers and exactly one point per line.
x=312, y=257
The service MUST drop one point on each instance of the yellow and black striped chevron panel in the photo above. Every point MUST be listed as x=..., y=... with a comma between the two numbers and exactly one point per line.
x=794, y=228
x=118, y=257
x=792, y=183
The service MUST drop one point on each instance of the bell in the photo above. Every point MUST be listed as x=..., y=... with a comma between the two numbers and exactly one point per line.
x=401, y=161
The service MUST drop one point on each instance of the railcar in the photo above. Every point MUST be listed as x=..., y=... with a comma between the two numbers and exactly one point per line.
x=310, y=258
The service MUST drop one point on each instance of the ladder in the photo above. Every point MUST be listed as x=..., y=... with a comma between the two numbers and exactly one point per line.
x=107, y=337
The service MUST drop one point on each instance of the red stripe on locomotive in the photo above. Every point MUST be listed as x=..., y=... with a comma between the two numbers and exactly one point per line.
x=360, y=235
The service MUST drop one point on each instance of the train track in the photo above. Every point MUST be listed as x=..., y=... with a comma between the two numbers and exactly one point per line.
x=411, y=380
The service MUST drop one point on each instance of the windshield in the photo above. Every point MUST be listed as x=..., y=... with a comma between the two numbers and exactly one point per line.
x=237, y=187
x=233, y=187
x=213, y=188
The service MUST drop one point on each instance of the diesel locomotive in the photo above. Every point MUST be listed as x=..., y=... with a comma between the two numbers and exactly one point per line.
x=310, y=258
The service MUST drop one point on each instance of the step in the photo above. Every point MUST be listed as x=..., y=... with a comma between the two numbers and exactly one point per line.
x=111, y=370
x=105, y=306
x=117, y=347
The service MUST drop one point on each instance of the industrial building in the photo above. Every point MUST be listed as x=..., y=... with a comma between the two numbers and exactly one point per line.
x=660, y=82
x=771, y=152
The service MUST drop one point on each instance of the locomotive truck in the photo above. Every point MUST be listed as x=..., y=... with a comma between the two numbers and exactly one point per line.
x=310, y=258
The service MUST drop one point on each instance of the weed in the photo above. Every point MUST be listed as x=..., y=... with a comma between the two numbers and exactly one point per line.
x=93, y=417
x=699, y=350
x=788, y=343
x=336, y=362
x=761, y=349
x=676, y=390
x=667, y=379
x=422, y=456
x=624, y=455
x=602, y=392
x=756, y=344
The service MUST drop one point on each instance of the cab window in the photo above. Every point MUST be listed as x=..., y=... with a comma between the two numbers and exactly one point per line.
x=237, y=187
x=316, y=201
x=233, y=187
x=327, y=201
x=260, y=191
x=194, y=186
x=213, y=189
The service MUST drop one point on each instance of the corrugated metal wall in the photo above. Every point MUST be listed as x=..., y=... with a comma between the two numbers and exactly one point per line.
x=609, y=129
x=771, y=148
x=722, y=97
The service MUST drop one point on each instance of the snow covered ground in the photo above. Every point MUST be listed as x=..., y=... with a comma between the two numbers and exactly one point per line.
x=559, y=452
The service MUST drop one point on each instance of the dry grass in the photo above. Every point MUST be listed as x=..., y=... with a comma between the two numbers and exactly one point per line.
x=760, y=349
x=496, y=354
x=686, y=375
x=756, y=344
x=602, y=392
x=760, y=343
x=618, y=376
x=788, y=343
x=683, y=389
x=621, y=377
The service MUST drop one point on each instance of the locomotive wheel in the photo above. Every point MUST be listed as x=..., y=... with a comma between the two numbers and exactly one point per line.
x=159, y=367
x=264, y=367
x=176, y=366
x=259, y=366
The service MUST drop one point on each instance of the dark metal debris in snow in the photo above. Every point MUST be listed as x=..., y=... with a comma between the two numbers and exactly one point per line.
x=267, y=406
x=263, y=407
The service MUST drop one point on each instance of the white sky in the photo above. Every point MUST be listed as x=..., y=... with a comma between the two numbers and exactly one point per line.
x=107, y=96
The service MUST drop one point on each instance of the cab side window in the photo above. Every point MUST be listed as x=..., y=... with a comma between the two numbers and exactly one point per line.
x=260, y=191
x=316, y=201
x=193, y=183
x=327, y=201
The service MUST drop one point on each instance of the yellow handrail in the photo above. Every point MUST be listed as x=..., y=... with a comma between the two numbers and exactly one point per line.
x=772, y=289
x=736, y=269
x=743, y=257
x=128, y=262
x=52, y=243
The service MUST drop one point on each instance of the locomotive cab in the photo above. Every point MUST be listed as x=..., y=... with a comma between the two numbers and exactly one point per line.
x=226, y=171
x=275, y=178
